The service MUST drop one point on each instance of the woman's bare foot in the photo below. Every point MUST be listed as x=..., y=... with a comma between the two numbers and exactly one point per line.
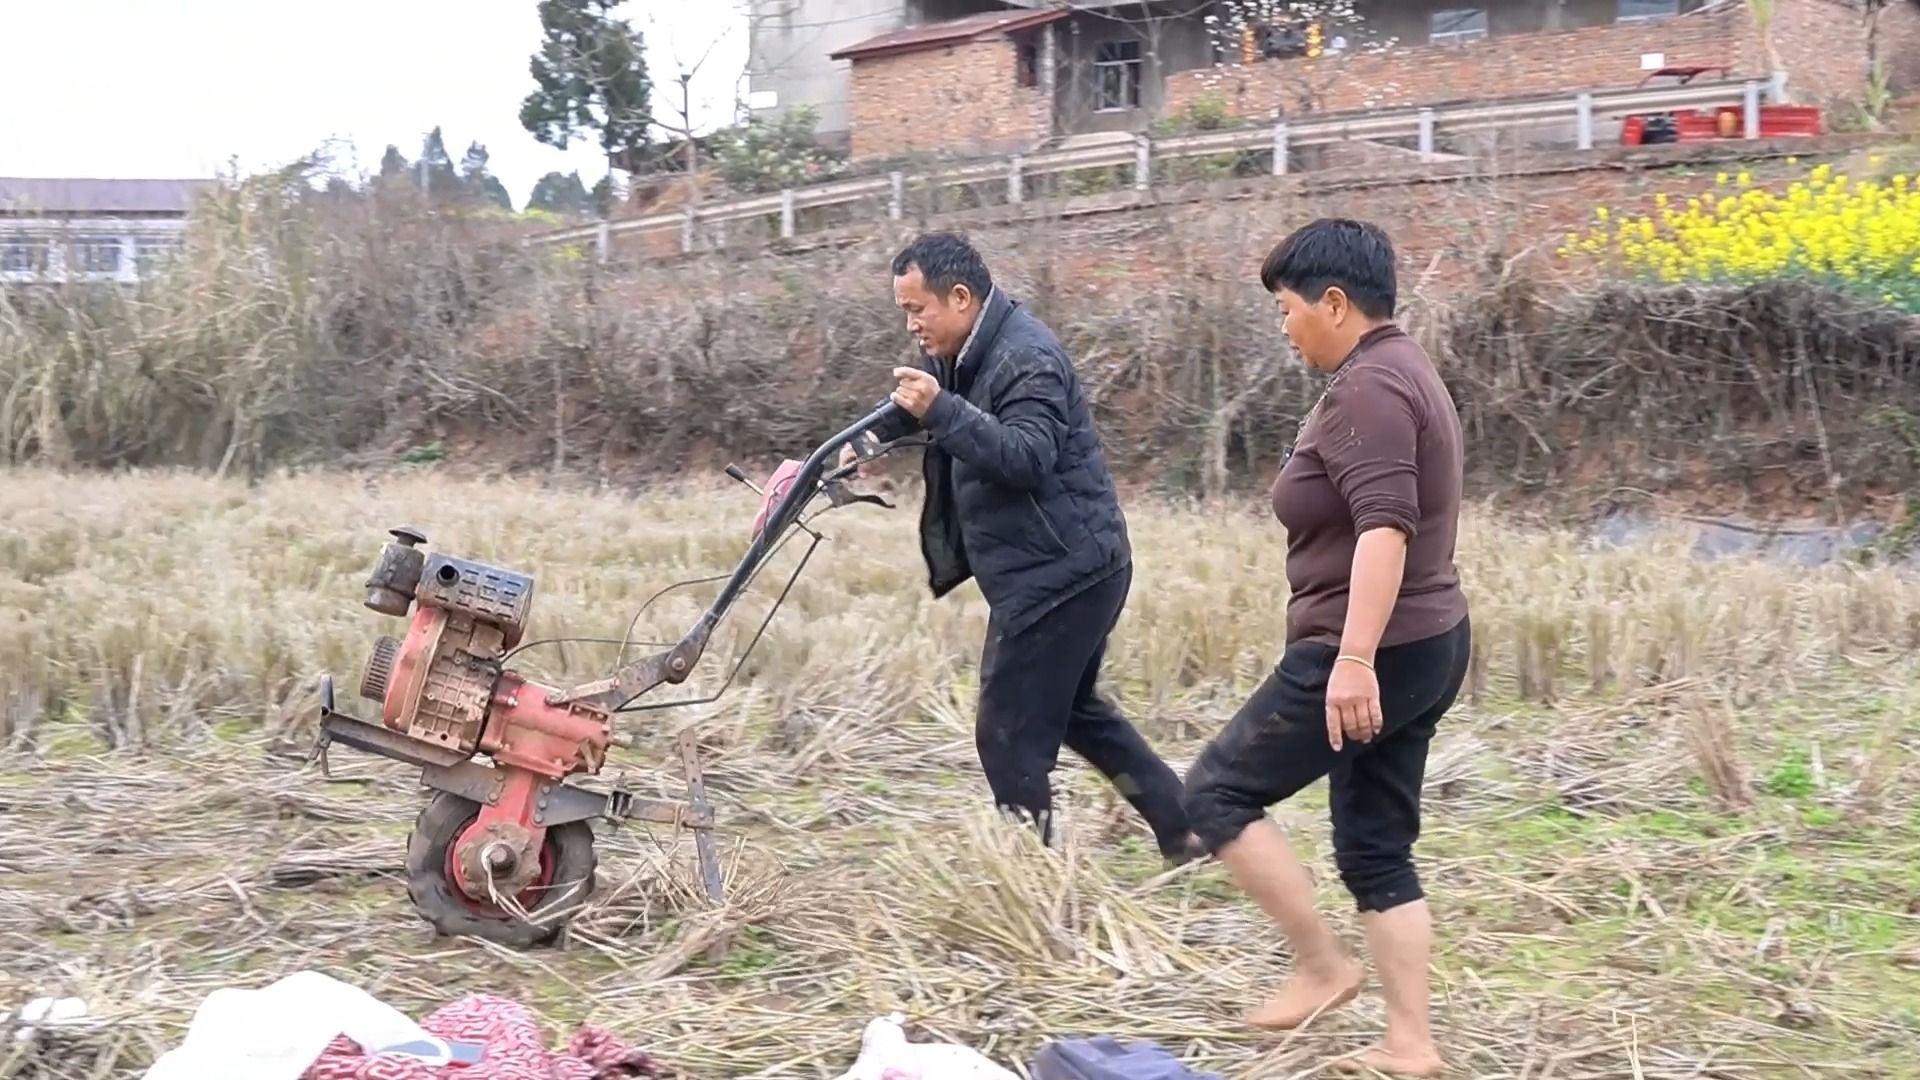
x=1307, y=995
x=1422, y=1062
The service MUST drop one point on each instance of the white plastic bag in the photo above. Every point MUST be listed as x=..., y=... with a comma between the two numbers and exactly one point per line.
x=45, y=1013
x=279, y=1030
x=885, y=1054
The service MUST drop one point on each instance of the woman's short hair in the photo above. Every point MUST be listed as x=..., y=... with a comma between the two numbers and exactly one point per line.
x=1354, y=255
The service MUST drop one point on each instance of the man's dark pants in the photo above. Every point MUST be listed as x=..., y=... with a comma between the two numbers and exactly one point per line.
x=1037, y=691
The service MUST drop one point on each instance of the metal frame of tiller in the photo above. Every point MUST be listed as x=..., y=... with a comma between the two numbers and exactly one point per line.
x=504, y=851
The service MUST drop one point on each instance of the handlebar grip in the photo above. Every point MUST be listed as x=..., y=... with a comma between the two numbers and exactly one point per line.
x=736, y=473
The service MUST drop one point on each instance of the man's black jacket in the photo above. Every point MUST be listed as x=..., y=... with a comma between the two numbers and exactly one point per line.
x=1018, y=495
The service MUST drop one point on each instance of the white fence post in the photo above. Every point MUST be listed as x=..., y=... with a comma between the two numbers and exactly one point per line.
x=1281, y=149
x=1584, y=108
x=896, y=204
x=1752, y=109
x=686, y=231
x=1013, y=180
x=1142, y=162
x=786, y=213
x=1426, y=133
x=602, y=240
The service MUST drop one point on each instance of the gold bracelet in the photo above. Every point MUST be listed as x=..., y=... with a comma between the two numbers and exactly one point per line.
x=1362, y=661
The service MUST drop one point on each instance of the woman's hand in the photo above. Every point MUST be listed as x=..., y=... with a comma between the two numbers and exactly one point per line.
x=1353, y=703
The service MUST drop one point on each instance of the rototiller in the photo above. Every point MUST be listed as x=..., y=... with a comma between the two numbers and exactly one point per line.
x=504, y=851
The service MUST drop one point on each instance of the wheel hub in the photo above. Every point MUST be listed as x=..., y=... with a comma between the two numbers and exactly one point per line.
x=502, y=853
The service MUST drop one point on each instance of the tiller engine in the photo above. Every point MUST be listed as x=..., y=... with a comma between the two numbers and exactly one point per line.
x=503, y=850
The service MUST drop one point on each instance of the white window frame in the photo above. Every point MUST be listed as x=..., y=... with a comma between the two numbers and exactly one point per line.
x=1673, y=9
x=81, y=252
x=37, y=249
x=1479, y=32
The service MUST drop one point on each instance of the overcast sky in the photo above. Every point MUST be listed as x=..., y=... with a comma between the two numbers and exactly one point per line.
x=173, y=88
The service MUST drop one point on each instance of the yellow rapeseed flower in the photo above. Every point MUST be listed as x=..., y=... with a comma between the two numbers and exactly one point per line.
x=1824, y=225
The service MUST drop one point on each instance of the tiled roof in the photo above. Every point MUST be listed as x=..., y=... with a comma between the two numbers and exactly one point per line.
x=951, y=32
x=61, y=195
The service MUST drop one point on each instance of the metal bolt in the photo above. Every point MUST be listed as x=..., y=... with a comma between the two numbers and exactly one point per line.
x=513, y=701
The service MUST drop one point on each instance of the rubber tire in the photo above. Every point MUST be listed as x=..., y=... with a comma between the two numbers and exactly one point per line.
x=445, y=817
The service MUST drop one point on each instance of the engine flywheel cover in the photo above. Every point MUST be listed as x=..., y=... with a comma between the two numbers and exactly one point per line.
x=379, y=670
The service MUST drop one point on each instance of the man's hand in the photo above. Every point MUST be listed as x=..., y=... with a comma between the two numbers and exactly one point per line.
x=915, y=391
x=1353, y=704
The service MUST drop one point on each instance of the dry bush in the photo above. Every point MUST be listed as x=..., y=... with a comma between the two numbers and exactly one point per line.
x=1783, y=385
x=293, y=325
x=300, y=327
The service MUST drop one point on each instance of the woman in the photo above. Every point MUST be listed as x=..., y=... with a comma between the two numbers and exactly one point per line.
x=1377, y=643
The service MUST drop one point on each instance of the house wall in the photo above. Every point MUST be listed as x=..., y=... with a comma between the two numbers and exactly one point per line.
x=1409, y=22
x=45, y=249
x=788, y=45
x=1166, y=47
x=1533, y=63
x=1821, y=44
x=962, y=99
x=791, y=42
x=1899, y=45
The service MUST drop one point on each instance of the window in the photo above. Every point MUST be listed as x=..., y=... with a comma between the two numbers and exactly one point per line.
x=1456, y=25
x=97, y=254
x=1647, y=10
x=1027, y=64
x=23, y=255
x=151, y=251
x=1116, y=73
x=1281, y=41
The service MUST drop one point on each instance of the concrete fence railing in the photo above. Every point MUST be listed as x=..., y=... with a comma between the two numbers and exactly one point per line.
x=1421, y=124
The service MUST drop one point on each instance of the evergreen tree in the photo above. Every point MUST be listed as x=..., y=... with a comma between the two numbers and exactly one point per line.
x=478, y=183
x=590, y=76
x=442, y=183
x=560, y=193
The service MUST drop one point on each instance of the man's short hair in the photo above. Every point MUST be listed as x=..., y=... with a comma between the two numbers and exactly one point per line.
x=945, y=259
x=1354, y=255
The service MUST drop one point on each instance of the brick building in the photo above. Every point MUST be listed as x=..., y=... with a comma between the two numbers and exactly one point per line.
x=983, y=82
x=1032, y=73
x=1822, y=46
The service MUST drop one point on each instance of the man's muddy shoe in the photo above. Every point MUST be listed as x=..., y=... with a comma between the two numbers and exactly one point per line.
x=1189, y=851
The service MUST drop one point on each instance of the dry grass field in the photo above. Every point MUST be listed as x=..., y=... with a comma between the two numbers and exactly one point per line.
x=1673, y=833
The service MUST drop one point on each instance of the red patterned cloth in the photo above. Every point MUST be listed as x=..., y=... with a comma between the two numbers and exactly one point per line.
x=514, y=1050
x=776, y=489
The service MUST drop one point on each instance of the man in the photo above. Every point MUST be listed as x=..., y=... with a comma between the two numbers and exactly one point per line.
x=1018, y=497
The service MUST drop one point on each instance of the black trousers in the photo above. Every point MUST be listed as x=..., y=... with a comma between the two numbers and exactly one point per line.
x=1037, y=692
x=1277, y=744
